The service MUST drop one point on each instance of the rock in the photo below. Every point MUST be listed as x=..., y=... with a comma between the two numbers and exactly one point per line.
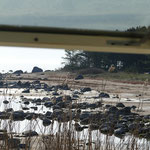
x=79, y=77
x=36, y=69
x=46, y=99
x=26, y=91
x=34, y=107
x=5, y=102
x=18, y=115
x=104, y=95
x=1, y=84
x=55, y=93
x=113, y=109
x=84, y=115
x=18, y=72
x=120, y=105
x=48, y=104
x=124, y=111
x=25, y=108
x=26, y=102
x=85, y=121
x=106, y=129
x=23, y=146
x=119, y=132
x=57, y=112
x=87, y=89
x=46, y=122
x=30, y=133
x=94, y=127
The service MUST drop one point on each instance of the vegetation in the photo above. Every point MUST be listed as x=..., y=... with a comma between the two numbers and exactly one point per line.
x=79, y=59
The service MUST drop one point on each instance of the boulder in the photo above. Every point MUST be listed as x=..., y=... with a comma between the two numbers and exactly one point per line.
x=26, y=91
x=30, y=133
x=36, y=69
x=46, y=122
x=18, y=72
x=120, y=105
x=79, y=77
x=87, y=89
x=104, y=95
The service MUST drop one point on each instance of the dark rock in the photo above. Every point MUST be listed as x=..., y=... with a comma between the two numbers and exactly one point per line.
x=30, y=133
x=113, y=109
x=46, y=122
x=36, y=69
x=85, y=89
x=94, y=127
x=104, y=95
x=26, y=91
x=84, y=115
x=106, y=129
x=120, y=105
x=79, y=77
x=23, y=146
x=25, y=108
x=18, y=72
x=48, y=104
x=26, y=102
x=34, y=107
x=57, y=112
x=119, y=132
x=5, y=102
x=46, y=99
x=55, y=93
x=85, y=121
x=124, y=111
x=1, y=84
x=18, y=115
x=48, y=114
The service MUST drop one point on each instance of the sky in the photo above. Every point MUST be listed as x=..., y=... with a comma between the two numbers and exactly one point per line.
x=89, y=14
x=16, y=58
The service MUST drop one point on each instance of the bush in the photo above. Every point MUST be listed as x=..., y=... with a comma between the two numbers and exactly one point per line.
x=91, y=71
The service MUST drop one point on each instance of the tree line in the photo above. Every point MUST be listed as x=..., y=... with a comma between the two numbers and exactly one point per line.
x=79, y=59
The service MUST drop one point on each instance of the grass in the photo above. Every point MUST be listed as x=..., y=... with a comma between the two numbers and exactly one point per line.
x=121, y=76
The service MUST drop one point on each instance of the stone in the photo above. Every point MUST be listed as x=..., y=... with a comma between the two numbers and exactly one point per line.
x=18, y=72
x=30, y=133
x=87, y=89
x=120, y=105
x=5, y=102
x=104, y=95
x=18, y=115
x=119, y=132
x=37, y=69
x=79, y=77
x=46, y=122
x=26, y=91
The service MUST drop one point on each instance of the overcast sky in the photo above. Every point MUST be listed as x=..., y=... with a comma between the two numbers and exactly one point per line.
x=91, y=14
x=14, y=58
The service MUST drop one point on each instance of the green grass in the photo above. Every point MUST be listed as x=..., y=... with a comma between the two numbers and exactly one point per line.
x=122, y=76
